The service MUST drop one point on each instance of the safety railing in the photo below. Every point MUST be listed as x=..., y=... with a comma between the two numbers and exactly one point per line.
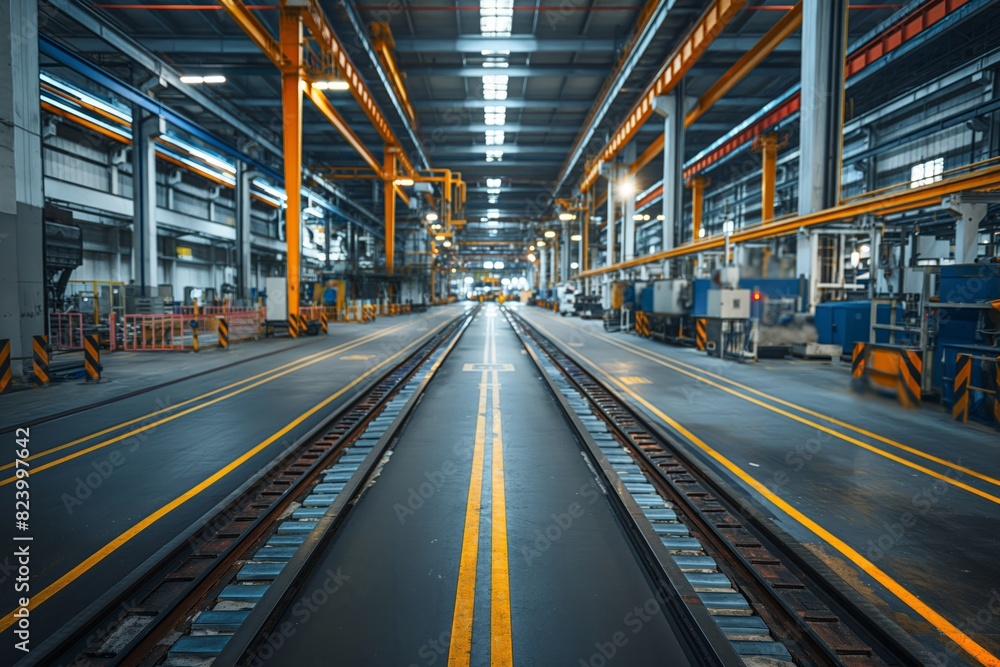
x=169, y=332
x=66, y=331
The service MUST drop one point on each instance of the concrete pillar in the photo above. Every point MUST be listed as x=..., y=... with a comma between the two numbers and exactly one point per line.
x=824, y=34
x=671, y=107
x=145, y=129
x=244, y=177
x=22, y=295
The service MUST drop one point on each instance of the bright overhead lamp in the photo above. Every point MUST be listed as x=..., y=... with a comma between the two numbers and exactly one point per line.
x=331, y=84
x=531, y=247
x=637, y=217
x=540, y=244
x=487, y=265
x=575, y=237
x=469, y=280
x=531, y=257
x=659, y=217
x=566, y=217
x=436, y=226
x=626, y=187
x=497, y=265
x=211, y=78
x=439, y=237
x=447, y=244
x=574, y=265
x=454, y=270
x=431, y=217
x=550, y=234
x=405, y=182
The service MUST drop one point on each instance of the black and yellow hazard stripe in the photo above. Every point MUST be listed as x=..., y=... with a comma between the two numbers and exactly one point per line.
x=293, y=325
x=6, y=375
x=92, y=357
x=40, y=359
x=323, y=321
x=910, y=377
x=642, y=324
x=701, y=333
x=960, y=396
x=223, y=329
x=858, y=355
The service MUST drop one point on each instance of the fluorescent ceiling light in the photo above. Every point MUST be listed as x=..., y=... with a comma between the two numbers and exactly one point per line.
x=211, y=78
x=575, y=237
x=331, y=84
x=405, y=182
x=566, y=217
x=540, y=244
x=550, y=234
x=493, y=182
x=497, y=265
x=487, y=265
x=431, y=217
x=447, y=244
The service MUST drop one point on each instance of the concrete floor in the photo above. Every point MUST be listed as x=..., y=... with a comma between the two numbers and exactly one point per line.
x=910, y=491
x=401, y=547
x=137, y=469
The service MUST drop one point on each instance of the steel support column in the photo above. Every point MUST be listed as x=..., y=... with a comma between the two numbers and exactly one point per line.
x=824, y=44
x=672, y=108
x=291, y=117
x=566, y=252
x=697, y=185
x=768, y=146
x=610, y=220
x=628, y=205
x=22, y=297
x=543, y=267
x=389, y=206
x=244, y=266
x=145, y=258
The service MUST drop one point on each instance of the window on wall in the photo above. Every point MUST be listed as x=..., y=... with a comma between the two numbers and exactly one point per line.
x=926, y=173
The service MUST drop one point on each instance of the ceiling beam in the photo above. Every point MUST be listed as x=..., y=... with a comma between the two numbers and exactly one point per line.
x=560, y=105
x=513, y=71
x=515, y=44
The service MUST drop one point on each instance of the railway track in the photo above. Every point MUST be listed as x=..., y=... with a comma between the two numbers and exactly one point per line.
x=724, y=548
x=129, y=625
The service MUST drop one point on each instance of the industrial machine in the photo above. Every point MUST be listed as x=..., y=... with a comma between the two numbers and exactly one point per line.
x=63, y=254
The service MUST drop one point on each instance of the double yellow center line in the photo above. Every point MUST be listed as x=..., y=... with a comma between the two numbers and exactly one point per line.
x=501, y=644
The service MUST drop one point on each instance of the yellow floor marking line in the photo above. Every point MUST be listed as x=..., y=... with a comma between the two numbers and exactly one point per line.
x=825, y=429
x=961, y=639
x=138, y=528
x=178, y=415
x=306, y=361
x=501, y=640
x=819, y=415
x=460, y=649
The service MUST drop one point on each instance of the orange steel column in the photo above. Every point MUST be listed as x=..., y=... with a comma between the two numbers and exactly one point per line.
x=767, y=144
x=697, y=185
x=389, y=176
x=291, y=120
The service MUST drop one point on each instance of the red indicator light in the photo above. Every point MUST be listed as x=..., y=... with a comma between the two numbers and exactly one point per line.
x=756, y=296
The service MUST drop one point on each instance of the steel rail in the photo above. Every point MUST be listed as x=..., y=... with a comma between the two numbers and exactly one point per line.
x=173, y=581
x=819, y=622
